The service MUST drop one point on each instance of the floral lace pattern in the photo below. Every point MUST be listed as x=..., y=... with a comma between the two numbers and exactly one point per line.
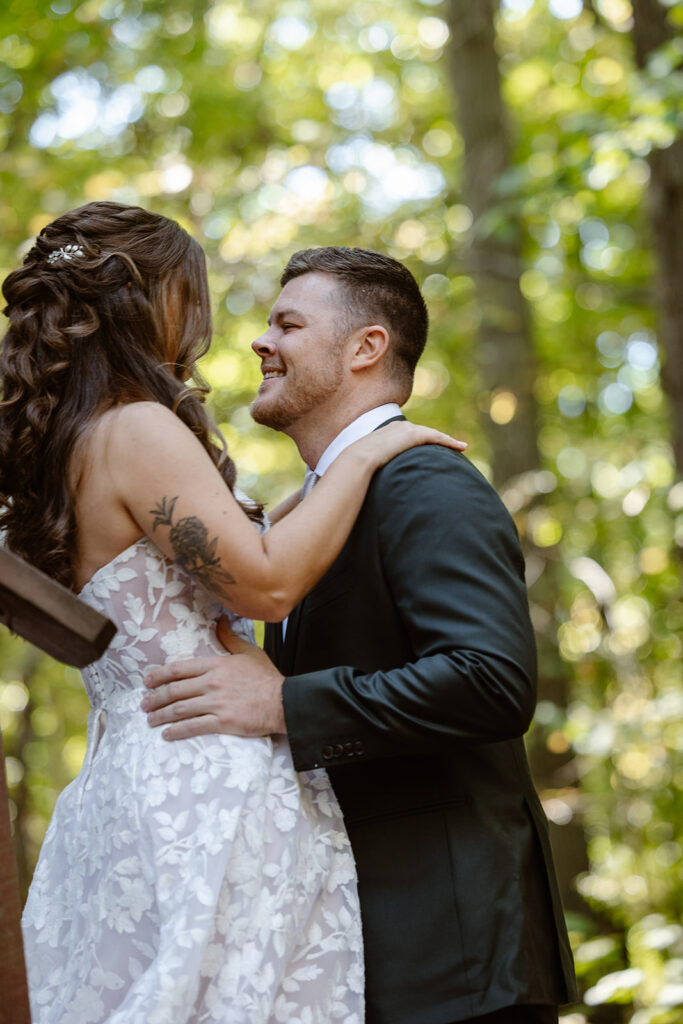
x=187, y=882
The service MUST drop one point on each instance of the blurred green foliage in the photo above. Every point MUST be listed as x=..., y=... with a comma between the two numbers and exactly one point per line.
x=269, y=126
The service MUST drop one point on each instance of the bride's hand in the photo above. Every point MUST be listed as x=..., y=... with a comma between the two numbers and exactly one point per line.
x=382, y=445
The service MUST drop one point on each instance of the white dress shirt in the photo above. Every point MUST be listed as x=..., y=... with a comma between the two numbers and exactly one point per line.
x=363, y=425
x=360, y=427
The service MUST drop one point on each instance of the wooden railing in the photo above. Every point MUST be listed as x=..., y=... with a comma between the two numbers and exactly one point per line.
x=52, y=618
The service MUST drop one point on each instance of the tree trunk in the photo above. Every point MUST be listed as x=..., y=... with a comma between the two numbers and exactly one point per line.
x=651, y=30
x=505, y=355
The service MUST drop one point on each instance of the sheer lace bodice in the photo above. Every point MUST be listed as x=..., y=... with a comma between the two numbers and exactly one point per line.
x=194, y=881
x=162, y=615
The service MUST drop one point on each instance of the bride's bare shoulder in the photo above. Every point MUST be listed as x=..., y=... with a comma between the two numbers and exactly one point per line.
x=135, y=416
x=141, y=425
x=125, y=435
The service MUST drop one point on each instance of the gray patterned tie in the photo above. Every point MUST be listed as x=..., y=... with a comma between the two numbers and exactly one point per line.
x=310, y=480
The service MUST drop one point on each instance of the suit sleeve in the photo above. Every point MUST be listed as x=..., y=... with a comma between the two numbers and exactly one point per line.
x=454, y=568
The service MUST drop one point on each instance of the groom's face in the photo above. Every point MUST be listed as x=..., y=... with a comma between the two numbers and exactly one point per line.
x=303, y=355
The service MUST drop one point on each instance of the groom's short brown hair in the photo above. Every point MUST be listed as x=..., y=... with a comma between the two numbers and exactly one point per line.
x=376, y=289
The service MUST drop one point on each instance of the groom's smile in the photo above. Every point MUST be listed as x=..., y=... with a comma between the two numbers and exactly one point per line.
x=271, y=373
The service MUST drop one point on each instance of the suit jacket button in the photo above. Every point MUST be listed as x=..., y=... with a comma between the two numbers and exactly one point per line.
x=348, y=749
x=359, y=747
x=328, y=753
x=338, y=750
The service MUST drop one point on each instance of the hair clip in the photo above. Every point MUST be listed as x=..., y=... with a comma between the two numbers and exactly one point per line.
x=67, y=252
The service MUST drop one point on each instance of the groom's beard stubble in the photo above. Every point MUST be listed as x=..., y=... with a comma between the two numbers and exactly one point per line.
x=289, y=404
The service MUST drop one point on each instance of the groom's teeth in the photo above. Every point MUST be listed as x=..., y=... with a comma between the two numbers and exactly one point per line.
x=273, y=373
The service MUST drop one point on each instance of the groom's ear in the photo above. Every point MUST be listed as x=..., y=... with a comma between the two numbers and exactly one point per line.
x=370, y=345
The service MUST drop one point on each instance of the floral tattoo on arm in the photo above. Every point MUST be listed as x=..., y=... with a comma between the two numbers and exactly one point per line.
x=191, y=545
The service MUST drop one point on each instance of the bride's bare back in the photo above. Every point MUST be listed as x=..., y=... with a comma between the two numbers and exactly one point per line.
x=105, y=526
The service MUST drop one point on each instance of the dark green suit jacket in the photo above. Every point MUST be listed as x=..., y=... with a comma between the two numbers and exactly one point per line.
x=411, y=676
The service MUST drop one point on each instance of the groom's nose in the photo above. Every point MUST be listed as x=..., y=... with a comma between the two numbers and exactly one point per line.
x=264, y=346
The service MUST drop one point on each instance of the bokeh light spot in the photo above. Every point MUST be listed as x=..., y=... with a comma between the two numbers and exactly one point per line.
x=503, y=407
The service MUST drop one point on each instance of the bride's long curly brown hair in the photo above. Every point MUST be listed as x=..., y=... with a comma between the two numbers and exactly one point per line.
x=111, y=306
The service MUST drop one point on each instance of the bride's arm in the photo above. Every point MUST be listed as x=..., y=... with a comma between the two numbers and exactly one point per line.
x=285, y=507
x=166, y=481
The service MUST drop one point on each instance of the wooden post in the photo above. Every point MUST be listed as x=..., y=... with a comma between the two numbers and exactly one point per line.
x=54, y=619
x=14, y=1008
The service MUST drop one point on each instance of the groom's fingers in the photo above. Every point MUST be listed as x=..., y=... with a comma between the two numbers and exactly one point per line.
x=201, y=726
x=189, y=669
x=179, y=710
x=169, y=693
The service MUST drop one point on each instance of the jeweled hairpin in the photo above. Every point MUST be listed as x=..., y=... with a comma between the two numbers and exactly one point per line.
x=67, y=252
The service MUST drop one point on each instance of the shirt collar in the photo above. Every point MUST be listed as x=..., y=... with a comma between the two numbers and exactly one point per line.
x=364, y=424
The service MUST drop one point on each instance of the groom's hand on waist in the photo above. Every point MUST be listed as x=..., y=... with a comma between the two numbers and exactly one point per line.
x=240, y=695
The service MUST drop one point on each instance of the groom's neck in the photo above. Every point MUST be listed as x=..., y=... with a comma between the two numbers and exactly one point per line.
x=315, y=432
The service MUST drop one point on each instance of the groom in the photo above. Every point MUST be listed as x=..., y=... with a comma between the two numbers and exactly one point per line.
x=409, y=672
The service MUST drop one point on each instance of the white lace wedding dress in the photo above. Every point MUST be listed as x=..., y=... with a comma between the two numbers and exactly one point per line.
x=194, y=881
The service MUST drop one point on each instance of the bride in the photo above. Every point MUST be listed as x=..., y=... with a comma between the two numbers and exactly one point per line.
x=201, y=881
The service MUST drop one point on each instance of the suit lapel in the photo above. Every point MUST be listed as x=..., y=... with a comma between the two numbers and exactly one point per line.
x=272, y=642
x=289, y=644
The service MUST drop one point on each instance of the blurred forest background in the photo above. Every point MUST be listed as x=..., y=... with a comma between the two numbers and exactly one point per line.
x=525, y=160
